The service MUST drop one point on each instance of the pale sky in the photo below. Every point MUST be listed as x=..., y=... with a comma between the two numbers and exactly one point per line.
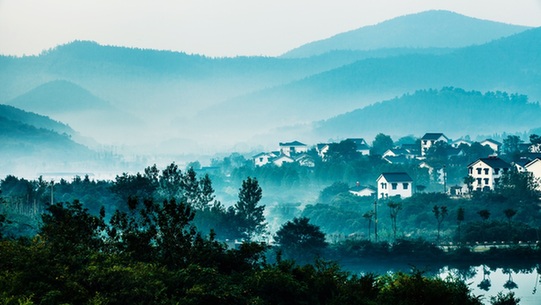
x=219, y=27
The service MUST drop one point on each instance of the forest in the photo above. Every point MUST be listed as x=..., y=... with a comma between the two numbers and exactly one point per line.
x=164, y=236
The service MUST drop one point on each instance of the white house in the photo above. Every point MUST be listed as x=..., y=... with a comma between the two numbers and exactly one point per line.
x=494, y=145
x=305, y=160
x=534, y=167
x=280, y=160
x=363, y=191
x=394, y=184
x=459, y=142
x=486, y=172
x=429, y=139
x=293, y=148
x=322, y=149
x=263, y=158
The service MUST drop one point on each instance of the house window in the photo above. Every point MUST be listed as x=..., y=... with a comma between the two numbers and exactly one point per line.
x=496, y=180
x=486, y=180
x=470, y=170
x=496, y=171
x=384, y=185
x=486, y=171
x=394, y=185
x=478, y=181
x=405, y=185
x=478, y=171
x=261, y=159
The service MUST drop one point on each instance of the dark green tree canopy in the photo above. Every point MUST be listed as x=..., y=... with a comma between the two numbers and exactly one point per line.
x=249, y=213
x=299, y=239
x=381, y=144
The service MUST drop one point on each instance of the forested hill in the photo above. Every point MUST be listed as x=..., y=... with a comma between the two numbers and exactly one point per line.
x=511, y=64
x=23, y=148
x=450, y=110
x=440, y=29
x=59, y=96
x=33, y=119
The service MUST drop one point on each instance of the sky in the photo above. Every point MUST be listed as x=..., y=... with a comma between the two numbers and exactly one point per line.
x=219, y=28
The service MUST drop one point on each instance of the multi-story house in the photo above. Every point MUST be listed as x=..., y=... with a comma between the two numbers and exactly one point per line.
x=486, y=172
x=429, y=139
x=293, y=148
x=394, y=184
x=534, y=167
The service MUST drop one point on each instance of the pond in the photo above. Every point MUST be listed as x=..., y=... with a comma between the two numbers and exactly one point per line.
x=486, y=281
x=483, y=280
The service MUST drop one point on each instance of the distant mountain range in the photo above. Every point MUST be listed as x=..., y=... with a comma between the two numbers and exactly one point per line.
x=29, y=141
x=431, y=29
x=449, y=110
x=171, y=102
x=76, y=106
x=510, y=64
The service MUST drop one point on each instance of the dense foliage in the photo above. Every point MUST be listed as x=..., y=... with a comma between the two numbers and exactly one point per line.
x=155, y=256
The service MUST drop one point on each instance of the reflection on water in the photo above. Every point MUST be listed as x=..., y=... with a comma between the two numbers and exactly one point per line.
x=488, y=281
x=483, y=280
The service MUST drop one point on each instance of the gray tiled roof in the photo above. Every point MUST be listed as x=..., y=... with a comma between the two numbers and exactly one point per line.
x=432, y=136
x=397, y=177
x=493, y=162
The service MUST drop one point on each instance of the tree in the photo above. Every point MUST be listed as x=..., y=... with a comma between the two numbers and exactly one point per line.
x=368, y=216
x=190, y=187
x=328, y=193
x=69, y=228
x=518, y=186
x=485, y=214
x=170, y=182
x=300, y=240
x=394, y=208
x=535, y=141
x=468, y=180
x=344, y=151
x=509, y=213
x=206, y=195
x=381, y=144
x=438, y=154
x=140, y=186
x=459, y=220
x=248, y=212
x=439, y=213
x=511, y=145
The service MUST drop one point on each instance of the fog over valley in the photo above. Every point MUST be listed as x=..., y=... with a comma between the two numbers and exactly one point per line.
x=397, y=162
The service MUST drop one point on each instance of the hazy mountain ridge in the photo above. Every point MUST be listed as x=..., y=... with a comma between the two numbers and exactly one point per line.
x=440, y=29
x=76, y=106
x=59, y=96
x=24, y=148
x=511, y=64
x=449, y=110
x=222, y=101
x=38, y=121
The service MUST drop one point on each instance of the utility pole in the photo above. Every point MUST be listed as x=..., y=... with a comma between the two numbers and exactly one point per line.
x=376, y=219
x=52, y=198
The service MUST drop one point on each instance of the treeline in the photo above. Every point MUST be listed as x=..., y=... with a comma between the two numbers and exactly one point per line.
x=152, y=254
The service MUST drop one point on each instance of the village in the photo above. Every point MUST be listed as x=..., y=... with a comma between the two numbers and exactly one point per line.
x=481, y=174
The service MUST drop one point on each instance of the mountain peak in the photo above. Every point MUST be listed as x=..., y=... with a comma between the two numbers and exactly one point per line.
x=57, y=96
x=428, y=29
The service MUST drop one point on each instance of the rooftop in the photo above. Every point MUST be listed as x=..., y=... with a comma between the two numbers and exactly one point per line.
x=396, y=177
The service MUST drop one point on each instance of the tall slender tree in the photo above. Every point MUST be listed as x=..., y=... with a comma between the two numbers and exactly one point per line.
x=439, y=213
x=394, y=208
x=249, y=213
x=459, y=220
x=368, y=216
